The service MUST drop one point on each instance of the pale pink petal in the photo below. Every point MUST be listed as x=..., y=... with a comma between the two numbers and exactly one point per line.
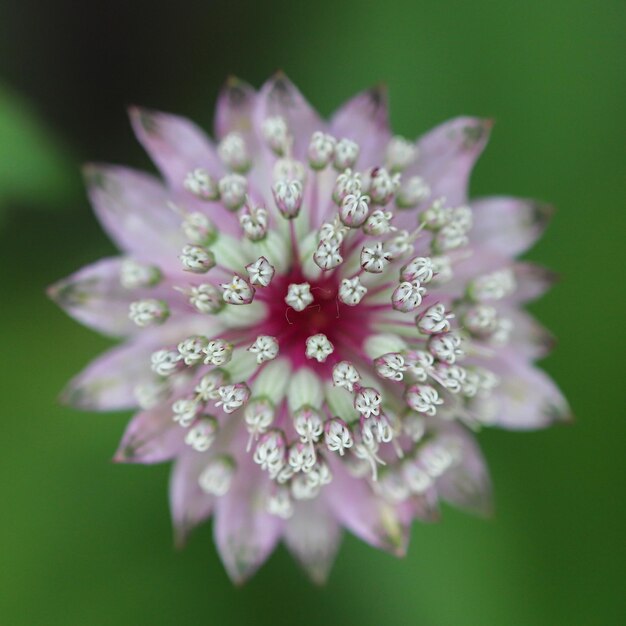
x=466, y=485
x=280, y=97
x=95, y=297
x=506, y=225
x=133, y=208
x=363, y=513
x=526, y=397
x=189, y=504
x=151, y=437
x=234, y=111
x=175, y=144
x=364, y=119
x=313, y=536
x=447, y=155
x=245, y=533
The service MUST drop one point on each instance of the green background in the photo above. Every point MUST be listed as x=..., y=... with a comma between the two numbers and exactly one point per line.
x=86, y=542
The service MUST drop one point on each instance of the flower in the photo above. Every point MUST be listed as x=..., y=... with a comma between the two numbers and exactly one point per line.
x=316, y=321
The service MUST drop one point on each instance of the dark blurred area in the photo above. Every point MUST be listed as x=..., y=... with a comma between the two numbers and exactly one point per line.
x=87, y=542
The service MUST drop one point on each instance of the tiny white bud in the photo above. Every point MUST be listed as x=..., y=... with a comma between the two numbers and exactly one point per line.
x=382, y=185
x=354, y=209
x=434, y=320
x=202, y=185
x=202, y=435
x=254, y=223
x=423, y=399
x=345, y=375
x=135, y=275
x=276, y=134
x=148, y=312
x=419, y=268
x=206, y=298
x=185, y=411
x=217, y=476
x=407, y=296
x=411, y=193
x=299, y=296
x=318, y=347
x=378, y=223
x=192, y=349
x=390, y=366
x=233, y=397
x=217, y=352
x=400, y=153
x=237, y=291
x=346, y=154
x=327, y=255
x=351, y=291
x=233, y=152
x=374, y=258
x=321, y=150
x=165, y=362
x=233, y=190
x=367, y=401
x=347, y=183
x=197, y=259
x=446, y=347
x=265, y=348
x=198, y=229
x=337, y=435
x=288, y=196
x=260, y=272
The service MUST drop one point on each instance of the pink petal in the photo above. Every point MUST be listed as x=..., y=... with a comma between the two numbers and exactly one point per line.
x=234, y=110
x=313, y=536
x=364, y=119
x=528, y=337
x=175, y=144
x=189, y=504
x=95, y=297
x=526, y=397
x=280, y=97
x=133, y=208
x=508, y=226
x=447, y=155
x=151, y=437
x=363, y=513
x=467, y=485
x=245, y=534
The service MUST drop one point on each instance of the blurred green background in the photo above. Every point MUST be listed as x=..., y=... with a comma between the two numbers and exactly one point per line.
x=85, y=542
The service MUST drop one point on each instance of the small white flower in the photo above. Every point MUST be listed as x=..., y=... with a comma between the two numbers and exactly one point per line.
x=423, y=399
x=202, y=185
x=135, y=275
x=345, y=375
x=233, y=190
x=206, y=298
x=276, y=133
x=198, y=229
x=412, y=193
x=165, y=362
x=351, y=291
x=202, y=435
x=400, y=153
x=288, y=195
x=192, y=349
x=148, y=312
x=321, y=150
x=254, y=223
x=217, y=476
x=237, y=291
x=374, y=258
x=265, y=348
x=390, y=366
x=407, y=296
x=337, y=435
x=434, y=320
x=233, y=152
x=379, y=223
x=367, y=401
x=299, y=296
x=419, y=268
x=346, y=154
x=233, y=397
x=382, y=185
x=308, y=424
x=185, y=411
x=446, y=347
x=327, y=255
x=217, y=352
x=197, y=259
x=270, y=452
x=354, y=210
x=260, y=272
x=347, y=183
x=318, y=347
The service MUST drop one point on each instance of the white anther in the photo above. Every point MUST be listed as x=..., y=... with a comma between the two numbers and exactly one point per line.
x=301, y=457
x=208, y=386
x=279, y=503
x=437, y=215
x=198, y=229
x=400, y=153
x=308, y=424
x=379, y=223
x=420, y=268
x=276, y=134
x=347, y=183
x=381, y=185
x=202, y=185
x=233, y=152
x=217, y=476
x=237, y=291
x=260, y=272
x=265, y=348
x=165, y=362
x=423, y=399
x=327, y=255
x=346, y=154
x=233, y=397
x=345, y=375
x=337, y=435
x=354, y=209
x=419, y=364
x=217, y=352
x=318, y=347
x=254, y=223
x=270, y=452
x=149, y=312
x=374, y=258
x=288, y=196
x=202, y=434
x=367, y=401
x=185, y=411
x=452, y=377
x=351, y=291
x=493, y=286
x=434, y=320
x=135, y=275
x=412, y=192
x=206, y=298
x=192, y=349
x=446, y=347
x=407, y=296
x=390, y=366
x=321, y=150
x=299, y=296
x=197, y=259
x=233, y=191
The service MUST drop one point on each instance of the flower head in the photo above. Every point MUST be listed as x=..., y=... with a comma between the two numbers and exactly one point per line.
x=316, y=320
